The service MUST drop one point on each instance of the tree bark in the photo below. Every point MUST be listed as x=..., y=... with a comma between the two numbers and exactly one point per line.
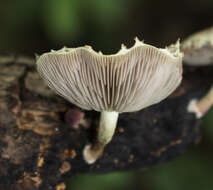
x=42, y=135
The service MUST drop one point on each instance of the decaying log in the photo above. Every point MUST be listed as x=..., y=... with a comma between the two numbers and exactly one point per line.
x=42, y=135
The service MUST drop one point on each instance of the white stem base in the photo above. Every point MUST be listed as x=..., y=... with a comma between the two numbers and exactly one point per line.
x=201, y=107
x=193, y=108
x=108, y=122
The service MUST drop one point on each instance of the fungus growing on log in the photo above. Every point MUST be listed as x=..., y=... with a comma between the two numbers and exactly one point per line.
x=198, y=48
x=127, y=81
x=198, y=51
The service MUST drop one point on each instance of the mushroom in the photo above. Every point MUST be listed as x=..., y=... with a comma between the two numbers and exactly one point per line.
x=127, y=81
x=198, y=51
x=198, y=48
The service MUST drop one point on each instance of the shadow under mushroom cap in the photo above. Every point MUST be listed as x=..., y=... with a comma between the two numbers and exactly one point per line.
x=127, y=81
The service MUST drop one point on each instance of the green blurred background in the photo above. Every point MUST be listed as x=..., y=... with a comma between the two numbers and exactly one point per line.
x=36, y=26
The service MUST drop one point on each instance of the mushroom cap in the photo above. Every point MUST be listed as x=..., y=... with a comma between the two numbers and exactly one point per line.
x=127, y=81
x=198, y=48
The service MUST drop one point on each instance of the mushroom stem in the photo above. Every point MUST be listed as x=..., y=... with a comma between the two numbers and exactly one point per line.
x=108, y=122
x=107, y=126
x=206, y=102
x=201, y=106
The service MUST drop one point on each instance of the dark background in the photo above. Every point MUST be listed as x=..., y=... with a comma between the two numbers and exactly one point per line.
x=36, y=26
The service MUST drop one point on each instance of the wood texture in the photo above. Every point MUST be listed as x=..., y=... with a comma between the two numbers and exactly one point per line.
x=42, y=135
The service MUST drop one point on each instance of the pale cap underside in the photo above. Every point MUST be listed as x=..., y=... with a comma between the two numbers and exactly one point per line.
x=125, y=82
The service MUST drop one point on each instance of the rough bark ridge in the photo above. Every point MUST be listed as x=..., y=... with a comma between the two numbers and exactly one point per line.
x=42, y=135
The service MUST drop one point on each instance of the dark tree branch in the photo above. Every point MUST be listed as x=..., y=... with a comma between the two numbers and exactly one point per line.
x=42, y=135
